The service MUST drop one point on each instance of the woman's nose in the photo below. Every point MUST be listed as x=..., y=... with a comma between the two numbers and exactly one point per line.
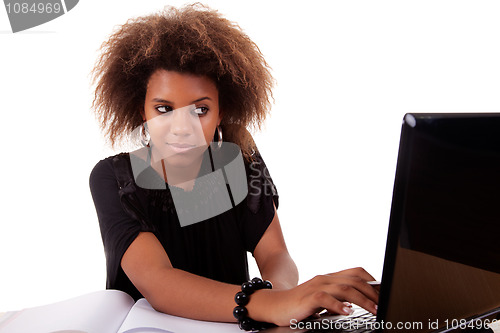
x=182, y=122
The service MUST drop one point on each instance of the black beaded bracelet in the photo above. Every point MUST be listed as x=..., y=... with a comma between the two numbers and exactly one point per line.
x=242, y=298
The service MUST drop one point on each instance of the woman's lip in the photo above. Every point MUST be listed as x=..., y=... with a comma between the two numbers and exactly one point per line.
x=180, y=147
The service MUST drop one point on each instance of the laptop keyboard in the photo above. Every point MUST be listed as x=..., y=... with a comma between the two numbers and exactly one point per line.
x=359, y=322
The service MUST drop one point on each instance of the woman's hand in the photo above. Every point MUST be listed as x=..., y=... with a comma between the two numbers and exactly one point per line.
x=328, y=292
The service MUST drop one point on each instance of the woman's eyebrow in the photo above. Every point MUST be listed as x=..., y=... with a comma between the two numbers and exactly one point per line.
x=161, y=100
x=201, y=99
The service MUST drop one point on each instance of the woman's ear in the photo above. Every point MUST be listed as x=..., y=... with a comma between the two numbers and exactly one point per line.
x=220, y=118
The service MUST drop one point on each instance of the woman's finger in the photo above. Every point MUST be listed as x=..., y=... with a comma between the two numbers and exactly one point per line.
x=363, y=287
x=327, y=301
x=330, y=282
x=351, y=293
x=358, y=271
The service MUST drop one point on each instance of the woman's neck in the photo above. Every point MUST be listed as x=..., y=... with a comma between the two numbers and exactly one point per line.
x=179, y=176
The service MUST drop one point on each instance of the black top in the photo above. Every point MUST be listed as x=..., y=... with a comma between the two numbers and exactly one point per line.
x=214, y=248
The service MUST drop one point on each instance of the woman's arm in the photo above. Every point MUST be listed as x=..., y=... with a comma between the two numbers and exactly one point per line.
x=273, y=259
x=180, y=293
x=172, y=290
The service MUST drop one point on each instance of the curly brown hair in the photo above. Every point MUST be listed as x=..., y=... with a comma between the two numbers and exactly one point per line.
x=196, y=40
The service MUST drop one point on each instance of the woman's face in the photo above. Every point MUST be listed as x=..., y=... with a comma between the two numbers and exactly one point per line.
x=182, y=113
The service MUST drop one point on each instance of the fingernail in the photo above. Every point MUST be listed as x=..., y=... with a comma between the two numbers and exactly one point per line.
x=348, y=304
x=347, y=310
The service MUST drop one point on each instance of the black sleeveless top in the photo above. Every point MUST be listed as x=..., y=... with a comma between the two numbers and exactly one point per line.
x=215, y=248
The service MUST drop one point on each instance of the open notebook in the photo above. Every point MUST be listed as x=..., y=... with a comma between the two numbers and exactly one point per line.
x=106, y=311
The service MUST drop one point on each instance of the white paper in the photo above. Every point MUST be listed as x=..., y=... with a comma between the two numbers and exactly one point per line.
x=143, y=318
x=99, y=312
x=495, y=326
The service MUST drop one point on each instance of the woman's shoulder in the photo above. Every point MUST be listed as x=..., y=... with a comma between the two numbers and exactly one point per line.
x=260, y=183
x=105, y=168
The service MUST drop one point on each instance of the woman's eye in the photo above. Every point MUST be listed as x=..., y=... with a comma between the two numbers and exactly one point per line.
x=163, y=108
x=201, y=111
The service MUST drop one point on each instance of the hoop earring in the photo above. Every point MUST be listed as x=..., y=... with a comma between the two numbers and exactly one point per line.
x=219, y=142
x=145, y=137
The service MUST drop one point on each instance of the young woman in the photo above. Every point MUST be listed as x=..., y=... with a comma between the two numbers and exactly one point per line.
x=187, y=80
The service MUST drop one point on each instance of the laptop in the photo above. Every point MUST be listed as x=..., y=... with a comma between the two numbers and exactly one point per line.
x=442, y=262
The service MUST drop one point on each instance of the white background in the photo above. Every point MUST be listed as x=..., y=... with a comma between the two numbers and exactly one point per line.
x=347, y=72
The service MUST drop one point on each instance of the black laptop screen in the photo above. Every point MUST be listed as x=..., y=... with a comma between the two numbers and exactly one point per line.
x=443, y=252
